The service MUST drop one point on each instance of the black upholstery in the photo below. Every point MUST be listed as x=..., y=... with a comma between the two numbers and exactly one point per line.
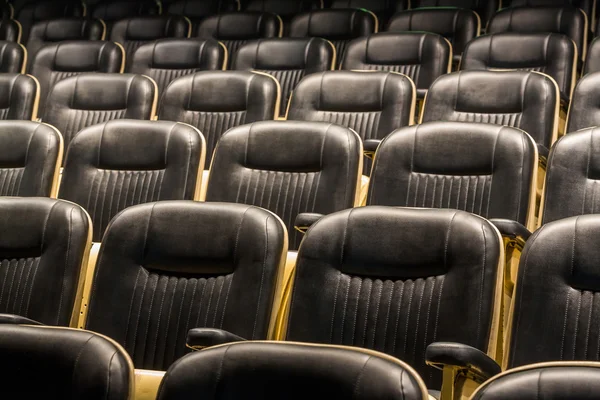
x=43, y=257
x=56, y=62
x=30, y=155
x=592, y=60
x=484, y=8
x=457, y=25
x=397, y=279
x=555, y=318
x=338, y=26
x=167, y=267
x=34, y=11
x=234, y=29
x=569, y=21
x=424, y=56
x=215, y=101
x=168, y=59
x=288, y=60
x=10, y=30
x=12, y=57
x=197, y=10
x=66, y=364
x=584, y=111
x=551, y=381
x=111, y=11
x=588, y=6
x=288, y=167
x=18, y=97
x=88, y=99
x=371, y=103
x=58, y=30
x=268, y=369
x=286, y=9
x=136, y=31
x=383, y=9
x=120, y=163
x=418, y=166
x=571, y=181
x=550, y=53
x=521, y=99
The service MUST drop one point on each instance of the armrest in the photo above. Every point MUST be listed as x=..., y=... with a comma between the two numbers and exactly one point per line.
x=370, y=147
x=306, y=220
x=511, y=229
x=199, y=338
x=17, y=320
x=462, y=357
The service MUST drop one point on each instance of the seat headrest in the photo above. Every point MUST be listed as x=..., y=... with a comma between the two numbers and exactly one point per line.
x=19, y=93
x=135, y=145
x=285, y=53
x=282, y=8
x=379, y=242
x=199, y=9
x=17, y=139
x=57, y=30
x=241, y=26
x=585, y=105
x=186, y=237
x=267, y=369
x=377, y=6
x=334, y=24
x=177, y=54
x=81, y=56
x=12, y=56
x=117, y=10
x=67, y=362
x=150, y=28
x=446, y=21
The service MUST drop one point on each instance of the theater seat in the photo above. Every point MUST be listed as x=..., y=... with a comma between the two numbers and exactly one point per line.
x=568, y=21
x=44, y=260
x=66, y=363
x=136, y=31
x=12, y=57
x=10, y=30
x=551, y=380
x=168, y=267
x=19, y=97
x=168, y=59
x=121, y=163
x=550, y=53
x=215, y=101
x=485, y=9
x=30, y=158
x=58, y=30
x=88, y=99
x=28, y=13
x=288, y=167
x=383, y=9
x=111, y=11
x=286, y=9
x=338, y=26
x=424, y=56
x=587, y=6
x=592, y=61
x=234, y=29
x=288, y=60
x=56, y=62
x=584, y=111
x=397, y=279
x=197, y=10
x=373, y=104
x=457, y=25
x=267, y=369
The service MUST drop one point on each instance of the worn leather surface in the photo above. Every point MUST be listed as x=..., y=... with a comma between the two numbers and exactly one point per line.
x=585, y=110
x=17, y=96
x=484, y=8
x=28, y=13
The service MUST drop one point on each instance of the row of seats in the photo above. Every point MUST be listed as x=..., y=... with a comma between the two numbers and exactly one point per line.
x=400, y=281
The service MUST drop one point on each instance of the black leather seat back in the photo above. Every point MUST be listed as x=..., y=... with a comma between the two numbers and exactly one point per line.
x=457, y=25
x=395, y=280
x=88, y=99
x=424, y=56
x=120, y=163
x=484, y=8
x=553, y=54
x=338, y=26
x=588, y=6
x=521, y=99
x=44, y=259
x=10, y=30
x=371, y=103
x=584, y=110
x=267, y=369
x=215, y=101
x=31, y=12
x=569, y=21
x=552, y=380
x=30, y=156
x=59, y=61
x=555, y=318
x=58, y=30
x=571, y=178
x=592, y=60
x=111, y=11
x=288, y=167
x=19, y=97
x=286, y=9
x=67, y=363
x=383, y=9
x=417, y=166
x=12, y=57
x=197, y=10
x=214, y=264
x=134, y=32
x=168, y=59
x=288, y=60
x=234, y=29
